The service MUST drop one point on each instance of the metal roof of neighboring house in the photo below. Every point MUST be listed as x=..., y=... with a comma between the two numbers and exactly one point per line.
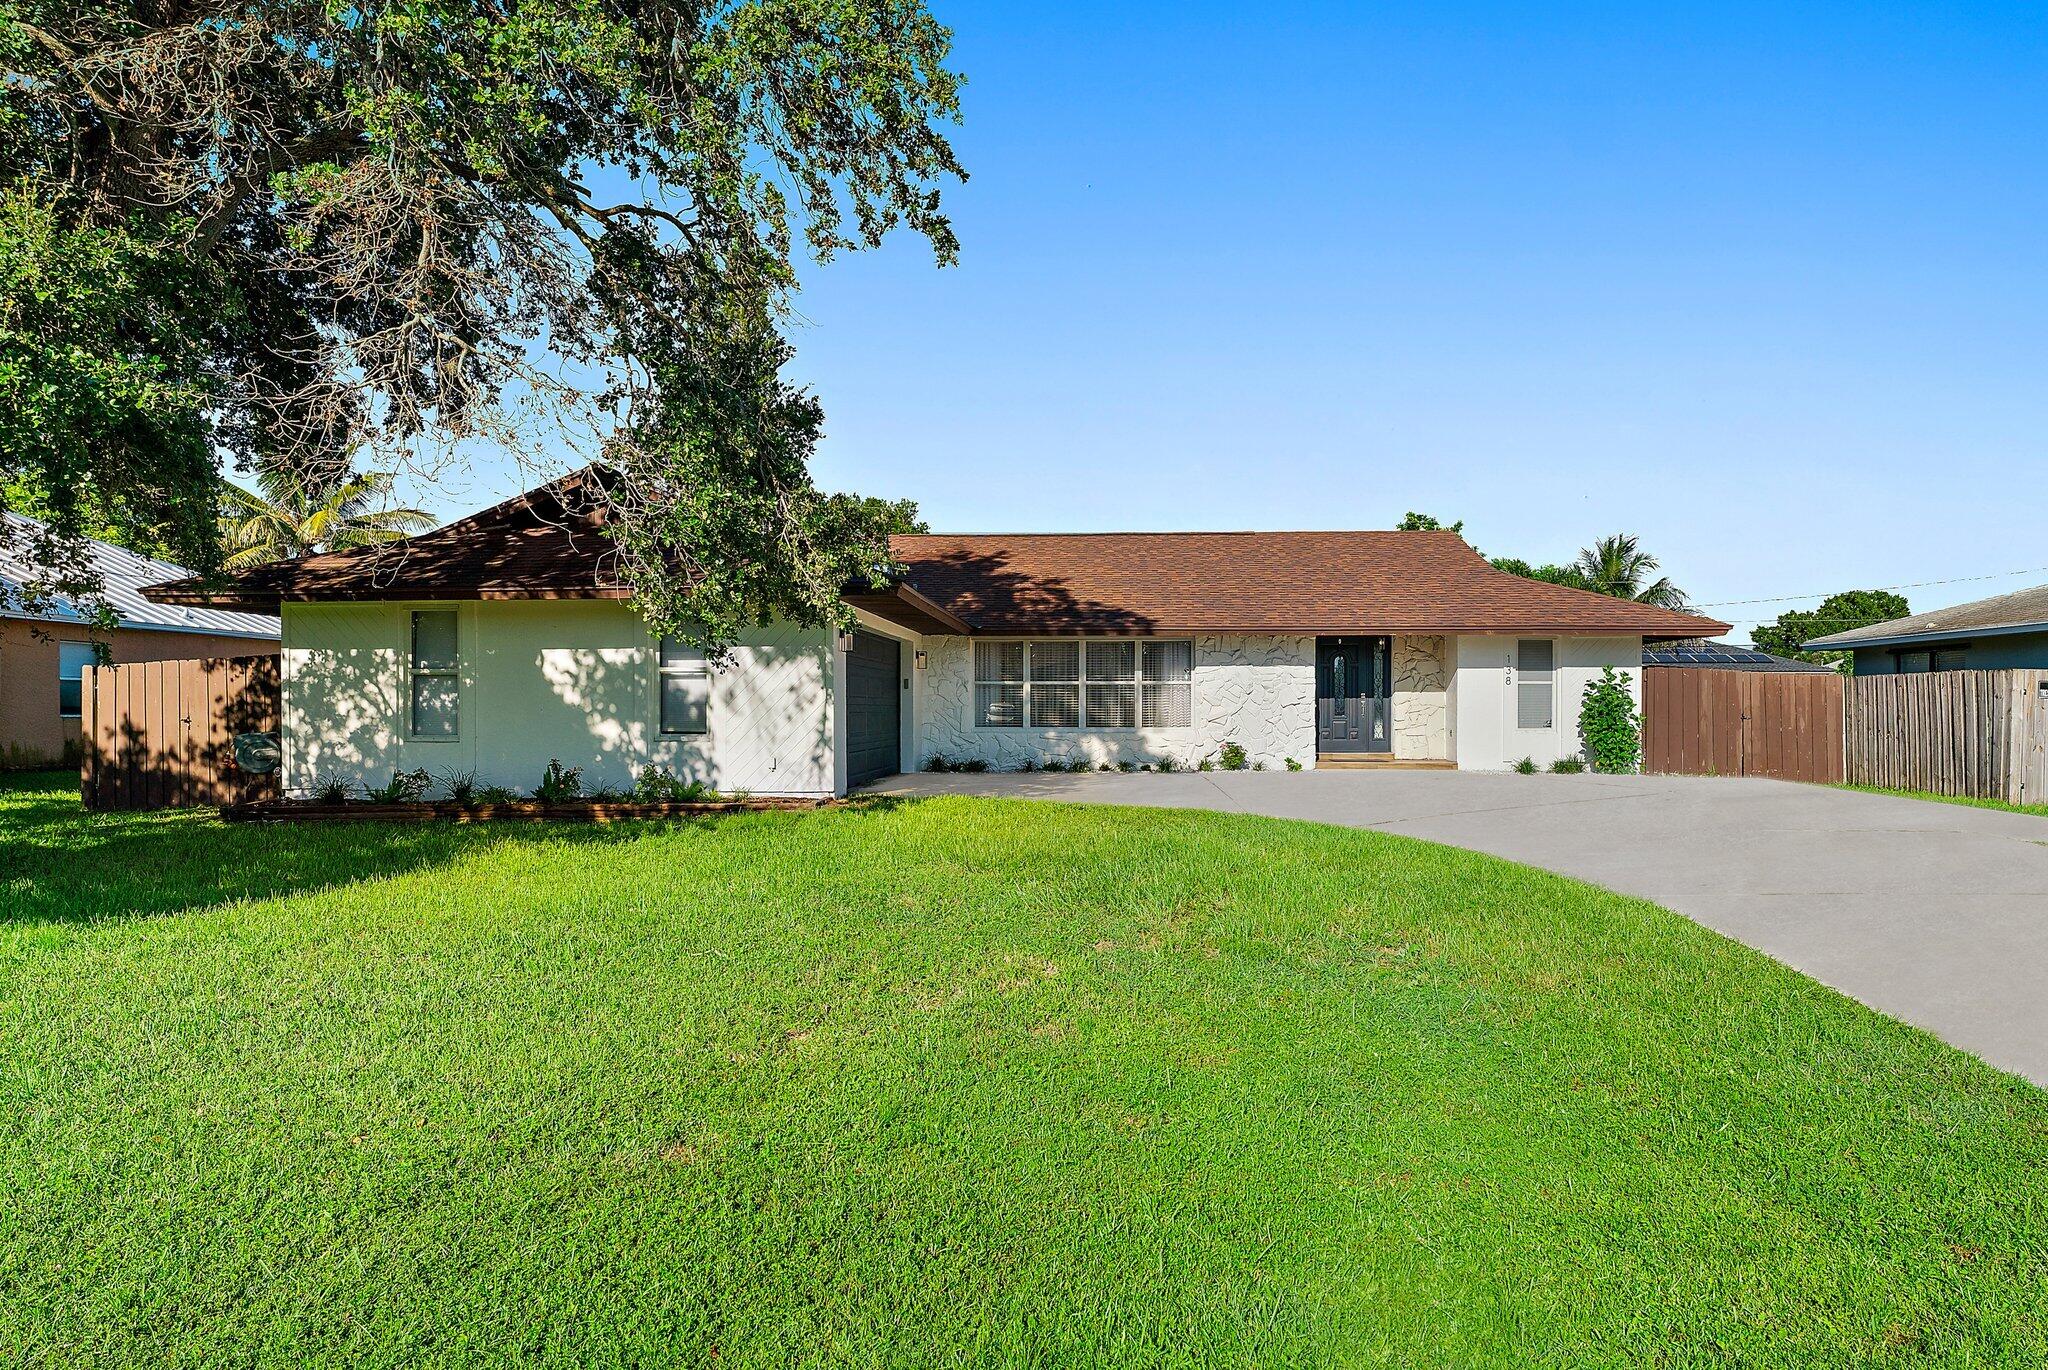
x=550, y=543
x=2022, y=611
x=1699, y=654
x=126, y=574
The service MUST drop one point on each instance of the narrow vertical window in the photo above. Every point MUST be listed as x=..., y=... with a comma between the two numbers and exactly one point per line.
x=1112, y=685
x=1055, y=684
x=1535, y=683
x=685, y=687
x=435, y=689
x=1169, y=669
x=998, y=684
x=72, y=659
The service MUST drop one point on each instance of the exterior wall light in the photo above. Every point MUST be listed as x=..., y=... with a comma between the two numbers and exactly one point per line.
x=846, y=642
x=918, y=658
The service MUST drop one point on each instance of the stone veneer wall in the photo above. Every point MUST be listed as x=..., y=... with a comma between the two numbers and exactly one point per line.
x=1255, y=689
x=1421, y=702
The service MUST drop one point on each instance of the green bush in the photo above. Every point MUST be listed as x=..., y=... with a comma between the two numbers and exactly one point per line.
x=1232, y=757
x=559, y=784
x=461, y=786
x=1610, y=726
x=1526, y=766
x=937, y=764
x=1292, y=764
x=404, y=787
x=1567, y=765
x=657, y=786
x=1167, y=763
x=330, y=790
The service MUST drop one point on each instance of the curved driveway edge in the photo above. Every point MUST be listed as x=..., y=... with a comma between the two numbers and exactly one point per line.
x=1934, y=913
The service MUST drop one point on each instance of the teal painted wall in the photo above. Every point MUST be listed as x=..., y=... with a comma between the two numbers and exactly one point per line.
x=2013, y=652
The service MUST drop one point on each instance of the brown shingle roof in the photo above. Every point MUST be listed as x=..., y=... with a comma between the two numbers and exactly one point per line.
x=1389, y=582
x=550, y=544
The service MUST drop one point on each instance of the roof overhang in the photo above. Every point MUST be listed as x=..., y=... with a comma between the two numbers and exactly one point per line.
x=906, y=608
x=1921, y=639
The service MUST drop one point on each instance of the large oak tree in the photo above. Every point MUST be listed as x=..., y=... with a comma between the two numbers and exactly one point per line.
x=289, y=232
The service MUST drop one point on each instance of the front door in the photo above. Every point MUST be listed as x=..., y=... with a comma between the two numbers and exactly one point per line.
x=1354, y=694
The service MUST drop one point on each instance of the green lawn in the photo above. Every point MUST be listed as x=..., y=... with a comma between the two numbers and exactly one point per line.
x=2040, y=810
x=962, y=1081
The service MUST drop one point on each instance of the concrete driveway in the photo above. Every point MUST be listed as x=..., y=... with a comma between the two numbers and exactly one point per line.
x=1934, y=913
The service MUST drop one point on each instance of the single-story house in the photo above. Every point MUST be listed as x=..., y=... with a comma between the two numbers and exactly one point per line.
x=43, y=655
x=503, y=640
x=1698, y=654
x=2002, y=633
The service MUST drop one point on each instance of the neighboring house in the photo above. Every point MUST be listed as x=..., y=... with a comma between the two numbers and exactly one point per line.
x=1698, y=654
x=503, y=640
x=2005, y=632
x=43, y=656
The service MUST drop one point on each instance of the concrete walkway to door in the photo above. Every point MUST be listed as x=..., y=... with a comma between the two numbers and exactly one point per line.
x=1934, y=913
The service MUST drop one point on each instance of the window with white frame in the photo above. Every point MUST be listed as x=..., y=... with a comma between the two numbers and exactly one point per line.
x=436, y=690
x=1535, y=683
x=72, y=659
x=685, y=687
x=1101, y=684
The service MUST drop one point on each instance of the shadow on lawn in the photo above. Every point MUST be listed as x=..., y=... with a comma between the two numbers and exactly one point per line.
x=61, y=864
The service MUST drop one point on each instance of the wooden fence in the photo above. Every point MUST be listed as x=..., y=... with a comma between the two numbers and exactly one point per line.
x=1978, y=733
x=1709, y=722
x=161, y=734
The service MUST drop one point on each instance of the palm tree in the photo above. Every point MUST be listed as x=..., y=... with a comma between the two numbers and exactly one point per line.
x=1619, y=566
x=284, y=517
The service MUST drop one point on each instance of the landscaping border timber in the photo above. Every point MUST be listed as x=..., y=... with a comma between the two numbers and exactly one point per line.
x=516, y=811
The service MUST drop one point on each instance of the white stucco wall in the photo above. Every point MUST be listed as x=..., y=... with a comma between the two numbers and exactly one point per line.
x=1421, y=698
x=568, y=679
x=1482, y=697
x=1256, y=690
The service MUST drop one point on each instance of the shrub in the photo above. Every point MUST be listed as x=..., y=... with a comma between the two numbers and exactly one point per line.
x=404, y=787
x=330, y=790
x=1526, y=766
x=461, y=786
x=1167, y=763
x=559, y=784
x=1206, y=764
x=498, y=794
x=1127, y=765
x=1567, y=765
x=973, y=765
x=1609, y=724
x=1027, y=765
x=1232, y=757
x=1292, y=764
x=657, y=786
x=937, y=764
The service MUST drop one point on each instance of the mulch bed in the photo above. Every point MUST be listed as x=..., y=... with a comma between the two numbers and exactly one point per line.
x=519, y=811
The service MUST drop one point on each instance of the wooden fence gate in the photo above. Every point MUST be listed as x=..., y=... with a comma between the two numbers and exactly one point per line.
x=1980, y=733
x=1707, y=722
x=161, y=734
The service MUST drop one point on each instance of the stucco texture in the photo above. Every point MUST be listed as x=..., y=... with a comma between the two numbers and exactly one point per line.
x=564, y=679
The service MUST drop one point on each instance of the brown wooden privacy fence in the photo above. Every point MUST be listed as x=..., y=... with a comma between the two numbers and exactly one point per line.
x=161, y=734
x=1978, y=733
x=1707, y=722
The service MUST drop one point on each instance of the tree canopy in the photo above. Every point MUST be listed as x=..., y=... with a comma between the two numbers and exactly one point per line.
x=294, y=233
x=1838, y=613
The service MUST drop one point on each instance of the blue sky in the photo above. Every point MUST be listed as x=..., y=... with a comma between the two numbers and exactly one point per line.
x=1763, y=284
